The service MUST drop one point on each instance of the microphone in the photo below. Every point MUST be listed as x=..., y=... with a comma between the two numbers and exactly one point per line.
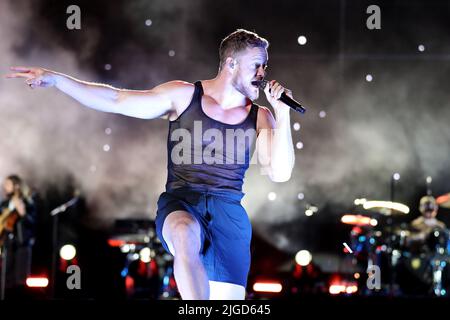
x=284, y=97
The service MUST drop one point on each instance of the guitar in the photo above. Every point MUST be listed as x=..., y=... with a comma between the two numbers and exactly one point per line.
x=8, y=220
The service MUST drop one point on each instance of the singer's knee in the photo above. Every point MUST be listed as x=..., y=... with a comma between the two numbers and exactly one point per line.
x=181, y=232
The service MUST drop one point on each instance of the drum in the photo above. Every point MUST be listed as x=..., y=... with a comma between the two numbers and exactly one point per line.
x=424, y=268
x=437, y=242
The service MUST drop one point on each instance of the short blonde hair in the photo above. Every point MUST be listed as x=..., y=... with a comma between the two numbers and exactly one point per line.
x=237, y=42
x=427, y=201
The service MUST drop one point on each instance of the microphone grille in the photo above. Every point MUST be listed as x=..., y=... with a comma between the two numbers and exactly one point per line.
x=260, y=83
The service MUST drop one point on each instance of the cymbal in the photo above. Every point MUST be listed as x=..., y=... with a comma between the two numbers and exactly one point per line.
x=387, y=208
x=444, y=200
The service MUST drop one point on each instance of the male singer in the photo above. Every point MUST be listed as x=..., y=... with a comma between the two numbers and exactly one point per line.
x=200, y=220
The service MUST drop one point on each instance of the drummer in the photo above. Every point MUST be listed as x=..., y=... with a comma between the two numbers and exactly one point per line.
x=427, y=222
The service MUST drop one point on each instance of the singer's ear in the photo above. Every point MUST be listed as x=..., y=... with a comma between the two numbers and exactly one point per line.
x=231, y=62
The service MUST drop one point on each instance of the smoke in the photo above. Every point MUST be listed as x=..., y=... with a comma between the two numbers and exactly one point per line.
x=396, y=123
x=47, y=137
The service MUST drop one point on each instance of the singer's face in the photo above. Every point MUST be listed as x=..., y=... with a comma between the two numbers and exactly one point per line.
x=251, y=66
x=8, y=187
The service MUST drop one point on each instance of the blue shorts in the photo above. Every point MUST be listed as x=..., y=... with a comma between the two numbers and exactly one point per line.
x=225, y=230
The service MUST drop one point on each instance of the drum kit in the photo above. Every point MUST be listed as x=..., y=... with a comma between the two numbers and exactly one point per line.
x=409, y=265
x=147, y=269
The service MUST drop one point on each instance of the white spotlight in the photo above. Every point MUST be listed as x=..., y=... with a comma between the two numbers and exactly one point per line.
x=369, y=78
x=37, y=282
x=421, y=48
x=299, y=145
x=171, y=53
x=429, y=179
x=301, y=196
x=309, y=212
x=272, y=196
x=108, y=131
x=107, y=67
x=396, y=176
x=148, y=22
x=301, y=40
x=303, y=257
x=145, y=255
x=322, y=114
x=67, y=252
x=296, y=126
x=106, y=147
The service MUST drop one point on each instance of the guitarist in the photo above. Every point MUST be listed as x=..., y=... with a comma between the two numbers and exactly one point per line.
x=17, y=231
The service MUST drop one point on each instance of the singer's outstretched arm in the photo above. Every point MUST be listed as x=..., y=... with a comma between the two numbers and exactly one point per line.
x=274, y=144
x=161, y=101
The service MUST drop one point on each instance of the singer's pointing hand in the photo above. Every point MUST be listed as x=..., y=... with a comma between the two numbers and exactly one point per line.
x=273, y=91
x=34, y=77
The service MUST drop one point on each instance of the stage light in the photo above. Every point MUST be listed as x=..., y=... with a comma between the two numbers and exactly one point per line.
x=274, y=287
x=171, y=53
x=351, y=289
x=145, y=255
x=301, y=40
x=356, y=219
x=107, y=67
x=357, y=202
x=134, y=256
x=148, y=22
x=303, y=258
x=272, y=196
x=299, y=145
x=37, y=282
x=108, y=131
x=396, y=176
x=343, y=287
x=356, y=275
x=322, y=114
x=106, y=147
x=296, y=126
x=67, y=252
x=429, y=179
x=421, y=48
x=308, y=212
x=301, y=196
x=369, y=78
x=336, y=289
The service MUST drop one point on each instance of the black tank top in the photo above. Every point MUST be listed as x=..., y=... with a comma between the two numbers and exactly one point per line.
x=207, y=154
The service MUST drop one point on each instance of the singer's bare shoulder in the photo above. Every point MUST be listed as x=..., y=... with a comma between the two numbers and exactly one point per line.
x=180, y=94
x=265, y=119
